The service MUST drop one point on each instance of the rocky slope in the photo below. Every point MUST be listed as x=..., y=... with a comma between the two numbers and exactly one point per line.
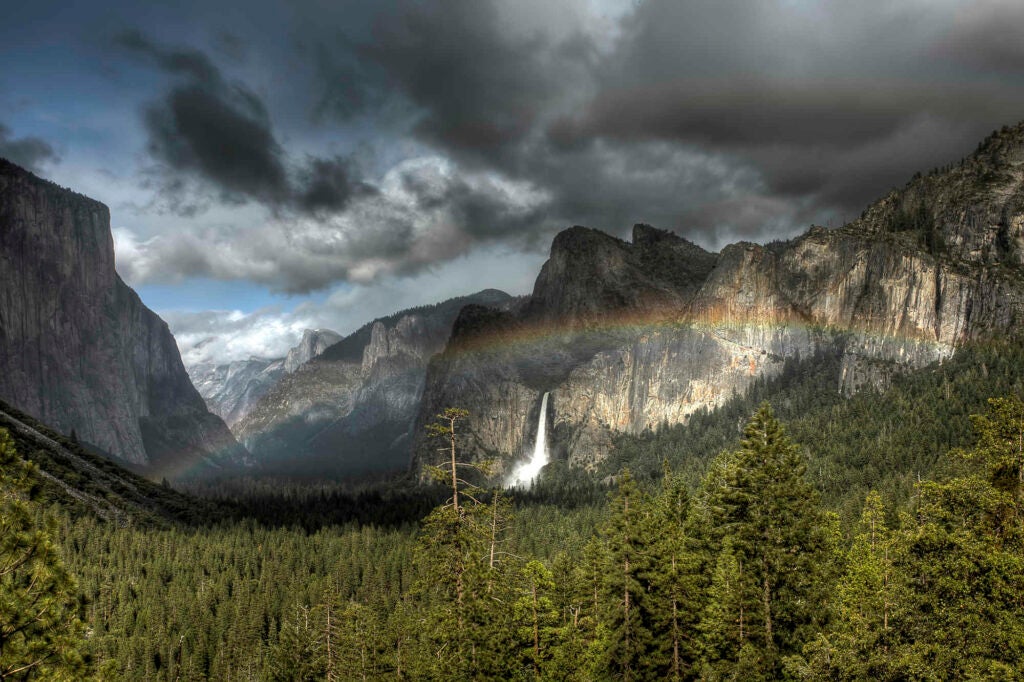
x=350, y=410
x=79, y=350
x=629, y=336
x=313, y=343
x=232, y=389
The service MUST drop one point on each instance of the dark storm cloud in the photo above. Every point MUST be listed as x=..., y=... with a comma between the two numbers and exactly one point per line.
x=719, y=120
x=830, y=107
x=27, y=152
x=989, y=35
x=224, y=137
x=185, y=62
x=820, y=107
x=221, y=132
x=476, y=85
x=327, y=185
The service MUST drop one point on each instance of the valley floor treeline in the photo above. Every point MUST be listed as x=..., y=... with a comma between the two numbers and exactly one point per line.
x=745, y=567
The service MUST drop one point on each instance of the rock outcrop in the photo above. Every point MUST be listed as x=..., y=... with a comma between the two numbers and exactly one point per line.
x=350, y=411
x=232, y=389
x=313, y=343
x=79, y=350
x=627, y=336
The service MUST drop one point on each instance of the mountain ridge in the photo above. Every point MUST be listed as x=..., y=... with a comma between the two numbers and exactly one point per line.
x=623, y=346
x=80, y=351
x=350, y=409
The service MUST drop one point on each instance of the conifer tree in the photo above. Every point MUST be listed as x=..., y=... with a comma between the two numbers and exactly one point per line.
x=40, y=630
x=536, y=617
x=671, y=575
x=626, y=636
x=459, y=563
x=863, y=642
x=965, y=558
x=759, y=500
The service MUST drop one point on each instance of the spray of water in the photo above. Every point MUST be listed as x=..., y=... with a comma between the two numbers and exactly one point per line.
x=524, y=474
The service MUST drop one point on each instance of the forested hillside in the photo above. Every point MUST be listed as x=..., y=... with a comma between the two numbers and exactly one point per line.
x=821, y=539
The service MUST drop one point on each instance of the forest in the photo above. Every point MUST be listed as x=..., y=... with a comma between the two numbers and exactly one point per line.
x=879, y=536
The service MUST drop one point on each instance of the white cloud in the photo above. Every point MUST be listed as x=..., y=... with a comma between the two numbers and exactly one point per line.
x=427, y=211
x=217, y=336
x=220, y=336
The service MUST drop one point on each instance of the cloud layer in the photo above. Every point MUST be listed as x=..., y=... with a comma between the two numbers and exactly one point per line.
x=719, y=120
x=308, y=146
x=28, y=152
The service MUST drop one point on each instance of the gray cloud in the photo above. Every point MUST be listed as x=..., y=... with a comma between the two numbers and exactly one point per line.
x=27, y=152
x=425, y=212
x=829, y=107
x=328, y=185
x=825, y=106
x=223, y=136
x=500, y=123
x=988, y=35
x=209, y=129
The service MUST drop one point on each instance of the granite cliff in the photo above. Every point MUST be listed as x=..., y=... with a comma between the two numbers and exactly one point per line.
x=313, y=343
x=627, y=336
x=351, y=409
x=78, y=349
x=232, y=389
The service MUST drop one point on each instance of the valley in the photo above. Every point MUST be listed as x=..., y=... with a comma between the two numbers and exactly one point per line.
x=543, y=341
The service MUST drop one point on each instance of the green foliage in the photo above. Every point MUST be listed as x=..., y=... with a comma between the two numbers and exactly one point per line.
x=746, y=577
x=40, y=632
x=772, y=572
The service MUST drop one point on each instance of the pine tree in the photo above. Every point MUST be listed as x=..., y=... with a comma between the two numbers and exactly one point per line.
x=460, y=565
x=863, y=642
x=965, y=558
x=536, y=618
x=760, y=501
x=40, y=631
x=671, y=575
x=625, y=618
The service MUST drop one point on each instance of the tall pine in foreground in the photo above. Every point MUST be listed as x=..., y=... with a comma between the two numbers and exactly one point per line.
x=40, y=632
x=864, y=640
x=965, y=558
x=626, y=636
x=773, y=544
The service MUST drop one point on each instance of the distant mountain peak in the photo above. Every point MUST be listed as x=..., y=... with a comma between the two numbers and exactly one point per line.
x=313, y=343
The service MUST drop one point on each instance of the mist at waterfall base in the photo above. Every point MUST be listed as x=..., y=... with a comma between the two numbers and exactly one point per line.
x=524, y=474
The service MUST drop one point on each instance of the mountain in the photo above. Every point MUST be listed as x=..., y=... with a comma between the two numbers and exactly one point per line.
x=232, y=389
x=628, y=337
x=90, y=484
x=313, y=343
x=350, y=410
x=79, y=350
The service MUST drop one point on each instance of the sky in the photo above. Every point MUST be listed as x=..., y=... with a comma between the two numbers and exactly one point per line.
x=275, y=166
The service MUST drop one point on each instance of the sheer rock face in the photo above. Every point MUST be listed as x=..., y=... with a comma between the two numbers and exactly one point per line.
x=351, y=409
x=313, y=343
x=232, y=389
x=78, y=349
x=628, y=336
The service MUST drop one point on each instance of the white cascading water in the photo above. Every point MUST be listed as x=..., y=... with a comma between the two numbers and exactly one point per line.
x=523, y=475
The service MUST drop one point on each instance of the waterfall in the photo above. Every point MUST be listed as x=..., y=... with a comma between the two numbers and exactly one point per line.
x=524, y=474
